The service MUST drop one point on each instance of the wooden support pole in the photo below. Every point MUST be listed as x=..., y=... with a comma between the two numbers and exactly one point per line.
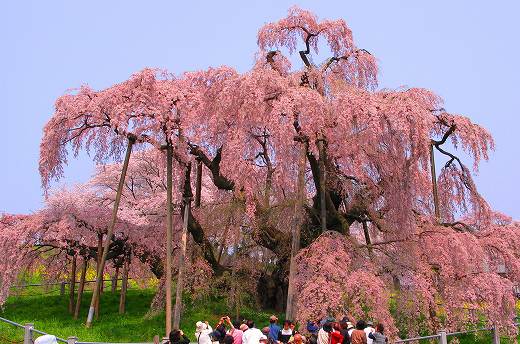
x=28, y=334
x=169, y=237
x=72, y=284
x=182, y=266
x=124, y=286
x=114, y=280
x=98, y=262
x=434, y=184
x=290, y=310
x=81, y=287
x=110, y=232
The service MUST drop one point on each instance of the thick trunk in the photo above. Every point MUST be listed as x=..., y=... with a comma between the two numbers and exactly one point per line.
x=72, y=284
x=295, y=245
x=323, y=190
x=368, y=241
x=124, y=287
x=110, y=232
x=81, y=287
x=198, y=184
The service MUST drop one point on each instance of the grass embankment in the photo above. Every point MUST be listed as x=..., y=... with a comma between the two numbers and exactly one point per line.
x=48, y=310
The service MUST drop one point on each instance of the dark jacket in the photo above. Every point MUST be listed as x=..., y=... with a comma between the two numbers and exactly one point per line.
x=346, y=337
x=182, y=340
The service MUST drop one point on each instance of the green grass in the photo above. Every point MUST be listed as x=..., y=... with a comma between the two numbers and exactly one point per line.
x=49, y=313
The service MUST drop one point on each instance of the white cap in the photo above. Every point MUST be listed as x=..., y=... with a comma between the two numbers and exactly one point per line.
x=200, y=326
x=46, y=339
x=263, y=337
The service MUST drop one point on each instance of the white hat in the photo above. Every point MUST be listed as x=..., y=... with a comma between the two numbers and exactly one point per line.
x=200, y=326
x=46, y=339
x=262, y=337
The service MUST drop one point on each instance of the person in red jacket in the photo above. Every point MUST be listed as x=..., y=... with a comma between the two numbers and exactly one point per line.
x=335, y=336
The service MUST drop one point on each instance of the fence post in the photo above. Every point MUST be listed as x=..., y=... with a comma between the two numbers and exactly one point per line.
x=62, y=288
x=28, y=335
x=496, y=335
x=72, y=340
x=443, y=338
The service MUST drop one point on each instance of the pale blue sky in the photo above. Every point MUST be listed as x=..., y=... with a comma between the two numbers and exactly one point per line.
x=466, y=51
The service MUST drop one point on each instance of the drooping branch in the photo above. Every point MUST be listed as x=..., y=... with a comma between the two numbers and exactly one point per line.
x=334, y=59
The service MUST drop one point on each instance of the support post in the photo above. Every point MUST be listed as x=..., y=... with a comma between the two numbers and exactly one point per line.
x=496, y=335
x=110, y=232
x=28, y=334
x=124, y=286
x=182, y=266
x=434, y=184
x=81, y=287
x=114, y=280
x=443, y=339
x=169, y=237
x=98, y=261
x=72, y=284
x=323, y=184
x=62, y=288
x=72, y=340
x=290, y=311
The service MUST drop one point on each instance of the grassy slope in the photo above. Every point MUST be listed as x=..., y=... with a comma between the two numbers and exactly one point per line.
x=48, y=311
x=49, y=314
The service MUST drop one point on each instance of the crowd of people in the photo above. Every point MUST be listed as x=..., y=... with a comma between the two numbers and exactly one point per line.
x=326, y=331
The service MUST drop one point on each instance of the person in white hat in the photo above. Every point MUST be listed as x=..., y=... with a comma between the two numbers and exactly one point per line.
x=46, y=339
x=202, y=331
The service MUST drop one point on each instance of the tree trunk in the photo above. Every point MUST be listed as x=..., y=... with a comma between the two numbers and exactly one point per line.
x=81, y=287
x=114, y=280
x=110, y=232
x=72, y=284
x=124, y=287
x=290, y=310
x=434, y=184
x=182, y=267
x=323, y=184
x=368, y=241
x=169, y=238
x=198, y=184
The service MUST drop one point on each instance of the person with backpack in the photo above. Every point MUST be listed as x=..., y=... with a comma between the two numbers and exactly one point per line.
x=359, y=336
